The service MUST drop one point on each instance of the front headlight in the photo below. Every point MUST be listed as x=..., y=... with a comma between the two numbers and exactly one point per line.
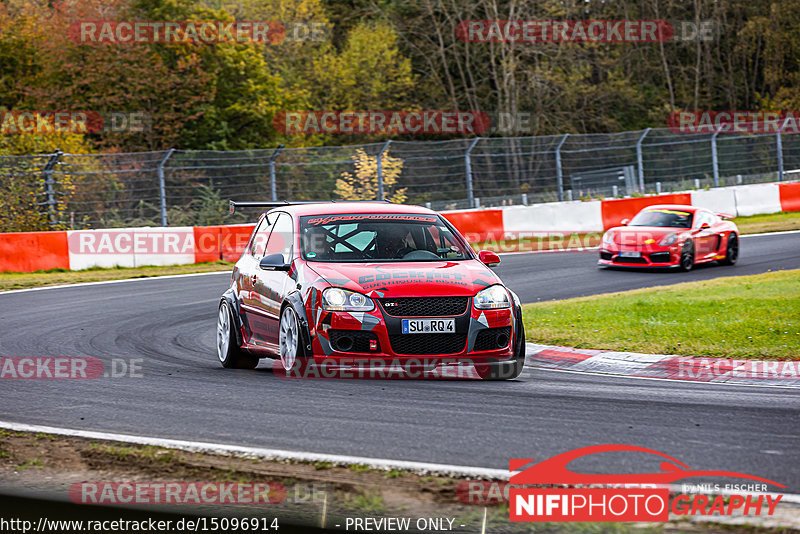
x=608, y=237
x=338, y=299
x=492, y=298
x=669, y=240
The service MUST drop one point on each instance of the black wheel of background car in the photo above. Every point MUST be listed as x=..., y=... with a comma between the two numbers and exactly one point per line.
x=228, y=352
x=687, y=256
x=292, y=354
x=732, y=250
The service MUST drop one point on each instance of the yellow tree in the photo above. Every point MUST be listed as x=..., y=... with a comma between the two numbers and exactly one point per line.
x=363, y=183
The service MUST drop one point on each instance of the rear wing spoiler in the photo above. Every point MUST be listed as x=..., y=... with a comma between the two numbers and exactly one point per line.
x=276, y=204
x=724, y=215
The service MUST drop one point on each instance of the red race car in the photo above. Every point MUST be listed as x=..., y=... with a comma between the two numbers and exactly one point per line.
x=367, y=283
x=671, y=236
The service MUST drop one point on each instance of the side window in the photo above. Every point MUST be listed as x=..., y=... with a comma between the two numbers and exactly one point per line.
x=261, y=235
x=281, y=238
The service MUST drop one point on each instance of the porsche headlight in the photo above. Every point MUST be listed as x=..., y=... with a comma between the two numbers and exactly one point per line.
x=492, y=298
x=669, y=240
x=608, y=237
x=338, y=299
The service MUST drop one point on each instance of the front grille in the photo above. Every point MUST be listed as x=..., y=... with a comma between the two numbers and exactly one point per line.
x=659, y=257
x=353, y=341
x=492, y=338
x=629, y=260
x=427, y=344
x=425, y=306
x=605, y=255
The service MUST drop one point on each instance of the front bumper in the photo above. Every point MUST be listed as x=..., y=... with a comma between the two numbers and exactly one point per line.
x=611, y=256
x=480, y=336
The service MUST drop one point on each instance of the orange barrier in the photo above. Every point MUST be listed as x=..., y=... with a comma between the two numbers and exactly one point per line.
x=616, y=210
x=33, y=251
x=213, y=243
x=790, y=196
x=479, y=224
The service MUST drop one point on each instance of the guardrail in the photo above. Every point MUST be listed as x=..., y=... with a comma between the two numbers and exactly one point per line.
x=134, y=247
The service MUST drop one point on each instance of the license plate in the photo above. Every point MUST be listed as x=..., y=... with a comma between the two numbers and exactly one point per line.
x=630, y=254
x=429, y=326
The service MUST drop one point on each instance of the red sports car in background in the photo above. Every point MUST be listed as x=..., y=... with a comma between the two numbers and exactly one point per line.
x=373, y=282
x=671, y=236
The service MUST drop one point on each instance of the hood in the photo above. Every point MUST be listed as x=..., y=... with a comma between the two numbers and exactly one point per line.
x=643, y=235
x=408, y=279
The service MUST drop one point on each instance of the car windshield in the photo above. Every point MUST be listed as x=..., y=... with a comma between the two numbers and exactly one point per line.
x=664, y=218
x=380, y=237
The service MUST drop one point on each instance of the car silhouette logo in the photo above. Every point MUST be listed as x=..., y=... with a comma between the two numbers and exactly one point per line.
x=554, y=470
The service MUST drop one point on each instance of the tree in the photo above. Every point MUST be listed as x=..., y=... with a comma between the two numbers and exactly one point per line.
x=363, y=183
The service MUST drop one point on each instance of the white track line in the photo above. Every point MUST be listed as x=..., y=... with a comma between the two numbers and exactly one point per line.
x=138, y=279
x=269, y=454
x=276, y=454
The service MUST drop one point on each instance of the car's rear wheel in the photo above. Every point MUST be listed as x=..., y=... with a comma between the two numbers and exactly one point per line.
x=228, y=351
x=292, y=355
x=687, y=256
x=731, y=250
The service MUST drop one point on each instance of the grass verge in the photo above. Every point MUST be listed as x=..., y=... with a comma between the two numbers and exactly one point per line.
x=773, y=222
x=62, y=276
x=756, y=317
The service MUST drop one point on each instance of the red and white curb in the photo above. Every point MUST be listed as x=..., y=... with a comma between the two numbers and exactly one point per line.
x=632, y=364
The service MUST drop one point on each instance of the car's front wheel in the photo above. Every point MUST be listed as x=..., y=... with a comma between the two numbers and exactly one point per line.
x=228, y=351
x=292, y=355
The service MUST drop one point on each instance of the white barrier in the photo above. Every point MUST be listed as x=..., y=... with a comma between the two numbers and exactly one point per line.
x=576, y=216
x=130, y=247
x=717, y=200
x=757, y=199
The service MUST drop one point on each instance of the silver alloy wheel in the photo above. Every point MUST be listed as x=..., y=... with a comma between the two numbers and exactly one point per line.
x=289, y=337
x=223, y=332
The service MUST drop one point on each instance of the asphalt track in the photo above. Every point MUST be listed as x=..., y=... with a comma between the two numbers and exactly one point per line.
x=185, y=394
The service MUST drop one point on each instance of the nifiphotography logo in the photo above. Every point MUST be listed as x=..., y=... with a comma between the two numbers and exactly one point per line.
x=652, y=501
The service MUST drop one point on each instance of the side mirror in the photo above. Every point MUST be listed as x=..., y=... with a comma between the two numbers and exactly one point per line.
x=488, y=257
x=704, y=226
x=624, y=222
x=273, y=262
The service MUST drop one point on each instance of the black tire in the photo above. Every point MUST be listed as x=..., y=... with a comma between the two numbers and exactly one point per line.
x=731, y=250
x=687, y=256
x=229, y=353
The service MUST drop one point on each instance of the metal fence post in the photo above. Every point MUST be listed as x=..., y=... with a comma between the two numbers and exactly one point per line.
x=639, y=159
x=380, y=169
x=162, y=189
x=50, y=185
x=779, y=143
x=559, y=176
x=714, y=160
x=272, y=186
x=468, y=167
